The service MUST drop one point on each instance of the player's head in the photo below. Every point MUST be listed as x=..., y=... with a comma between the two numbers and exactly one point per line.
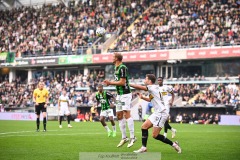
x=100, y=88
x=117, y=57
x=160, y=81
x=64, y=92
x=150, y=79
x=41, y=85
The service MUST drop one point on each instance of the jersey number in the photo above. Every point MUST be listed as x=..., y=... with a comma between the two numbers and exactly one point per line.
x=116, y=77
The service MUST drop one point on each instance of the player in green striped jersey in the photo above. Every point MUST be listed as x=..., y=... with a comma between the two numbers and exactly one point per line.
x=104, y=98
x=123, y=100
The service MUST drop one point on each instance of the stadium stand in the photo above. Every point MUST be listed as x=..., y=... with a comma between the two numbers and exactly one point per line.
x=81, y=90
x=56, y=29
x=184, y=24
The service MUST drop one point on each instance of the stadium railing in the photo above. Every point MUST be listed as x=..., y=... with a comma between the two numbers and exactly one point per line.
x=193, y=46
x=97, y=49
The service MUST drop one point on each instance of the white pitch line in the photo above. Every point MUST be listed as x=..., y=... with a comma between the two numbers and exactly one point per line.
x=46, y=134
x=3, y=133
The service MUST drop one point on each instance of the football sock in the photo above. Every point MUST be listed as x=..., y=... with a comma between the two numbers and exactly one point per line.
x=68, y=118
x=131, y=126
x=167, y=126
x=114, y=128
x=38, y=122
x=61, y=118
x=107, y=128
x=164, y=140
x=122, y=127
x=44, y=122
x=144, y=137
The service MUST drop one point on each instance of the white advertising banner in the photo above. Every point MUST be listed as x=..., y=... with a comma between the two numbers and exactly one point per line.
x=229, y=120
x=18, y=116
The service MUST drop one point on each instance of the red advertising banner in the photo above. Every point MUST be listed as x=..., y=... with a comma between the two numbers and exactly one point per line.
x=213, y=53
x=133, y=57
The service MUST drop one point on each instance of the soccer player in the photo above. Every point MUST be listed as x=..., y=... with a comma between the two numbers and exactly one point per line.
x=103, y=98
x=40, y=98
x=158, y=117
x=123, y=99
x=168, y=101
x=63, y=108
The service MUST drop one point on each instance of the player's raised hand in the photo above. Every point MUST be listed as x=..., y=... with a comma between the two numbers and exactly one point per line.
x=106, y=82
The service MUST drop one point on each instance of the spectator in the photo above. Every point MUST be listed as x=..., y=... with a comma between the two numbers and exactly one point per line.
x=179, y=118
x=216, y=119
x=185, y=118
x=193, y=119
x=201, y=119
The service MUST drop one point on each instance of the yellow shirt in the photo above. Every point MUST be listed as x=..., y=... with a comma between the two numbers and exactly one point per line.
x=40, y=95
x=93, y=109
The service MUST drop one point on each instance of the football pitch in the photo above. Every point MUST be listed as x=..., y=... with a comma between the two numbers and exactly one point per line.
x=19, y=141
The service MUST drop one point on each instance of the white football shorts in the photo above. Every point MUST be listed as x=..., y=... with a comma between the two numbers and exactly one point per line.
x=123, y=102
x=158, y=119
x=107, y=113
x=64, y=111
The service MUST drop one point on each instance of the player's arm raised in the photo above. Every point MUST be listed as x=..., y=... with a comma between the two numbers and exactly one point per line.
x=143, y=97
x=121, y=81
x=139, y=87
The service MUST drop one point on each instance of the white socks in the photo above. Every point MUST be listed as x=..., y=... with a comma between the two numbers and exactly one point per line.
x=107, y=128
x=122, y=127
x=130, y=123
x=114, y=128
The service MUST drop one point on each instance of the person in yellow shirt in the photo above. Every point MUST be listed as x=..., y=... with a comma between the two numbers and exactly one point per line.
x=40, y=98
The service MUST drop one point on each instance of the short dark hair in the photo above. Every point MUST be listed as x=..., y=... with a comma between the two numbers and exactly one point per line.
x=100, y=85
x=160, y=77
x=118, y=56
x=151, y=77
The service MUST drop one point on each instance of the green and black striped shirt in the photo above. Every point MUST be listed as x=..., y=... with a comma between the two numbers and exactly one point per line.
x=104, y=99
x=121, y=71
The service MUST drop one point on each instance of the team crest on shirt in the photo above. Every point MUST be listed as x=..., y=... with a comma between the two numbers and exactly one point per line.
x=151, y=97
x=102, y=101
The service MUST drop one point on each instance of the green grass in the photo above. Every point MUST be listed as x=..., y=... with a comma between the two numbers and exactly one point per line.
x=18, y=140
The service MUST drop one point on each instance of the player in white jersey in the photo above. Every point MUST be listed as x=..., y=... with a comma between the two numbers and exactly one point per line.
x=63, y=108
x=159, y=116
x=168, y=98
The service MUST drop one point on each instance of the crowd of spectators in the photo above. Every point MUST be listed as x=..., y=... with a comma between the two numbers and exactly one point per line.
x=56, y=28
x=203, y=118
x=181, y=23
x=213, y=94
x=81, y=90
